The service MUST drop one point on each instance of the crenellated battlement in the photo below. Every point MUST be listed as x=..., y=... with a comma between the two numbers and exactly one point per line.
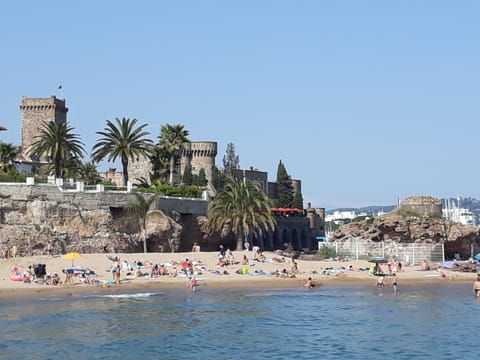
x=42, y=104
x=200, y=149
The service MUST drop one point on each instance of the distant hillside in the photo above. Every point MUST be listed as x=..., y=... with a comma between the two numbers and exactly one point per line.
x=367, y=209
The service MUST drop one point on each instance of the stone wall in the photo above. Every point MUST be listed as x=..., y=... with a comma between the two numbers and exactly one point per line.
x=30, y=216
x=199, y=155
x=422, y=205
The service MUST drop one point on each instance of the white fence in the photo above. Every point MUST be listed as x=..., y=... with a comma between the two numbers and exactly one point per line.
x=409, y=253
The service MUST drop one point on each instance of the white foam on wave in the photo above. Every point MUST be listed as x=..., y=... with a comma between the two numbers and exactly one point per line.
x=129, y=296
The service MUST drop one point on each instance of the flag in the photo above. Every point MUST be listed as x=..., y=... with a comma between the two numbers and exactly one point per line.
x=59, y=86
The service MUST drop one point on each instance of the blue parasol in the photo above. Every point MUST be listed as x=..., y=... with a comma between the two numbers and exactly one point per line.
x=477, y=256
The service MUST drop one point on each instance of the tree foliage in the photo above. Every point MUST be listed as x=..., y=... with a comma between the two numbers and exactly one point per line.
x=187, y=178
x=231, y=161
x=160, y=160
x=59, y=145
x=297, y=201
x=124, y=140
x=8, y=152
x=284, y=187
x=242, y=205
x=89, y=173
x=171, y=139
x=200, y=179
x=218, y=179
x=140, y=209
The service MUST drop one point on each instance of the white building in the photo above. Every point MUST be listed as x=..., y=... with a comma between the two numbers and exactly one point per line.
x=453, y=212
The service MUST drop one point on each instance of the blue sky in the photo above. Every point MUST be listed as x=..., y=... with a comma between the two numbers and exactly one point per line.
x=366, y=102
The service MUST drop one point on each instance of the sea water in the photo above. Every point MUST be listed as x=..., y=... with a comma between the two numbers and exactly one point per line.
x=329, y=322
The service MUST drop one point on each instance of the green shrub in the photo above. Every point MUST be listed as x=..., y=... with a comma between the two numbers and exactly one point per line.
x=326, y=252
x=165, y=189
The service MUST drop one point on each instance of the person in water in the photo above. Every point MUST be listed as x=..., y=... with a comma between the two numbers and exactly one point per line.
x=309, y=284
x=394, y=284
x=380, y=283
x=476, y=287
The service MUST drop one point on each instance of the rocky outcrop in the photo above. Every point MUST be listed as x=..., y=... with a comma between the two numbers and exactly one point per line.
x=30, y=218
x=394, y=228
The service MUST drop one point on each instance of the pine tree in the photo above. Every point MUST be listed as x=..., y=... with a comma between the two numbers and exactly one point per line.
x=202, y=178
x=231, y=161
x=284, y=187
x=218, y=179
x=297, y=201
x=187, y=178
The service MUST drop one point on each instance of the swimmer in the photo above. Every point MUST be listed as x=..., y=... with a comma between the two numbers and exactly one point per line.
x=380, y=283
x=309, y=284
x=476, y=287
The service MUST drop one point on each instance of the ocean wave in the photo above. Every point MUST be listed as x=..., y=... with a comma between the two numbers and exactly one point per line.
x=129, y=296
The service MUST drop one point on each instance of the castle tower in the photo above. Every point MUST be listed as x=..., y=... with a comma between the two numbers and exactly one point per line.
x=199, y=155
x=36, y=112
x=297, y=186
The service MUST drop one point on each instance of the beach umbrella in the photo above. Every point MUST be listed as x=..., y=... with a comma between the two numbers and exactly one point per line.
x=378, y=260
x=72, y=255
x=477, y=256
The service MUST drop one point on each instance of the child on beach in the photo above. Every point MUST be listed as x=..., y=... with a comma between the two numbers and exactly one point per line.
x=193, y=283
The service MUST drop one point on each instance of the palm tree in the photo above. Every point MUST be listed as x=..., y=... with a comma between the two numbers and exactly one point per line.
x=57, y=143
x=89, y=173
x=140, y=209
x=8, y=152
x=244, y=206
x=172, y=138
x=122, y=140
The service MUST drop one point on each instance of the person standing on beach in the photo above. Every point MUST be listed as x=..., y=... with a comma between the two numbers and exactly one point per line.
x=49, y=250
x=193, y=283
x=476, y=287
x=116, y=270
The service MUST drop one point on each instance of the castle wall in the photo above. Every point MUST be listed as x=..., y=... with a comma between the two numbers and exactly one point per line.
x=139, y=169
x=297, y=186
x=423, y=205
x=255, y=175
x=199, y=155
x=36, y=112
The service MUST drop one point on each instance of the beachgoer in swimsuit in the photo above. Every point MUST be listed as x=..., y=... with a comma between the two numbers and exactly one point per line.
x=49, y=250
x=394, y=284
x=380, y=283
x=193, y=283
x=309, y=284
x=476, y=287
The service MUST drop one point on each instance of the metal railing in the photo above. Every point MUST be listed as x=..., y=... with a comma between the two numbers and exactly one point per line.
x=409, y=253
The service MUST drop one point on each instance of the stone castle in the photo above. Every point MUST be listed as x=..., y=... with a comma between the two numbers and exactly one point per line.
x=95, y=217
x=198, y=154
x=36, y=112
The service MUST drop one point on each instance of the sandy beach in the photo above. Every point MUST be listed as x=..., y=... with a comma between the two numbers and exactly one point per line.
x=208, y=273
